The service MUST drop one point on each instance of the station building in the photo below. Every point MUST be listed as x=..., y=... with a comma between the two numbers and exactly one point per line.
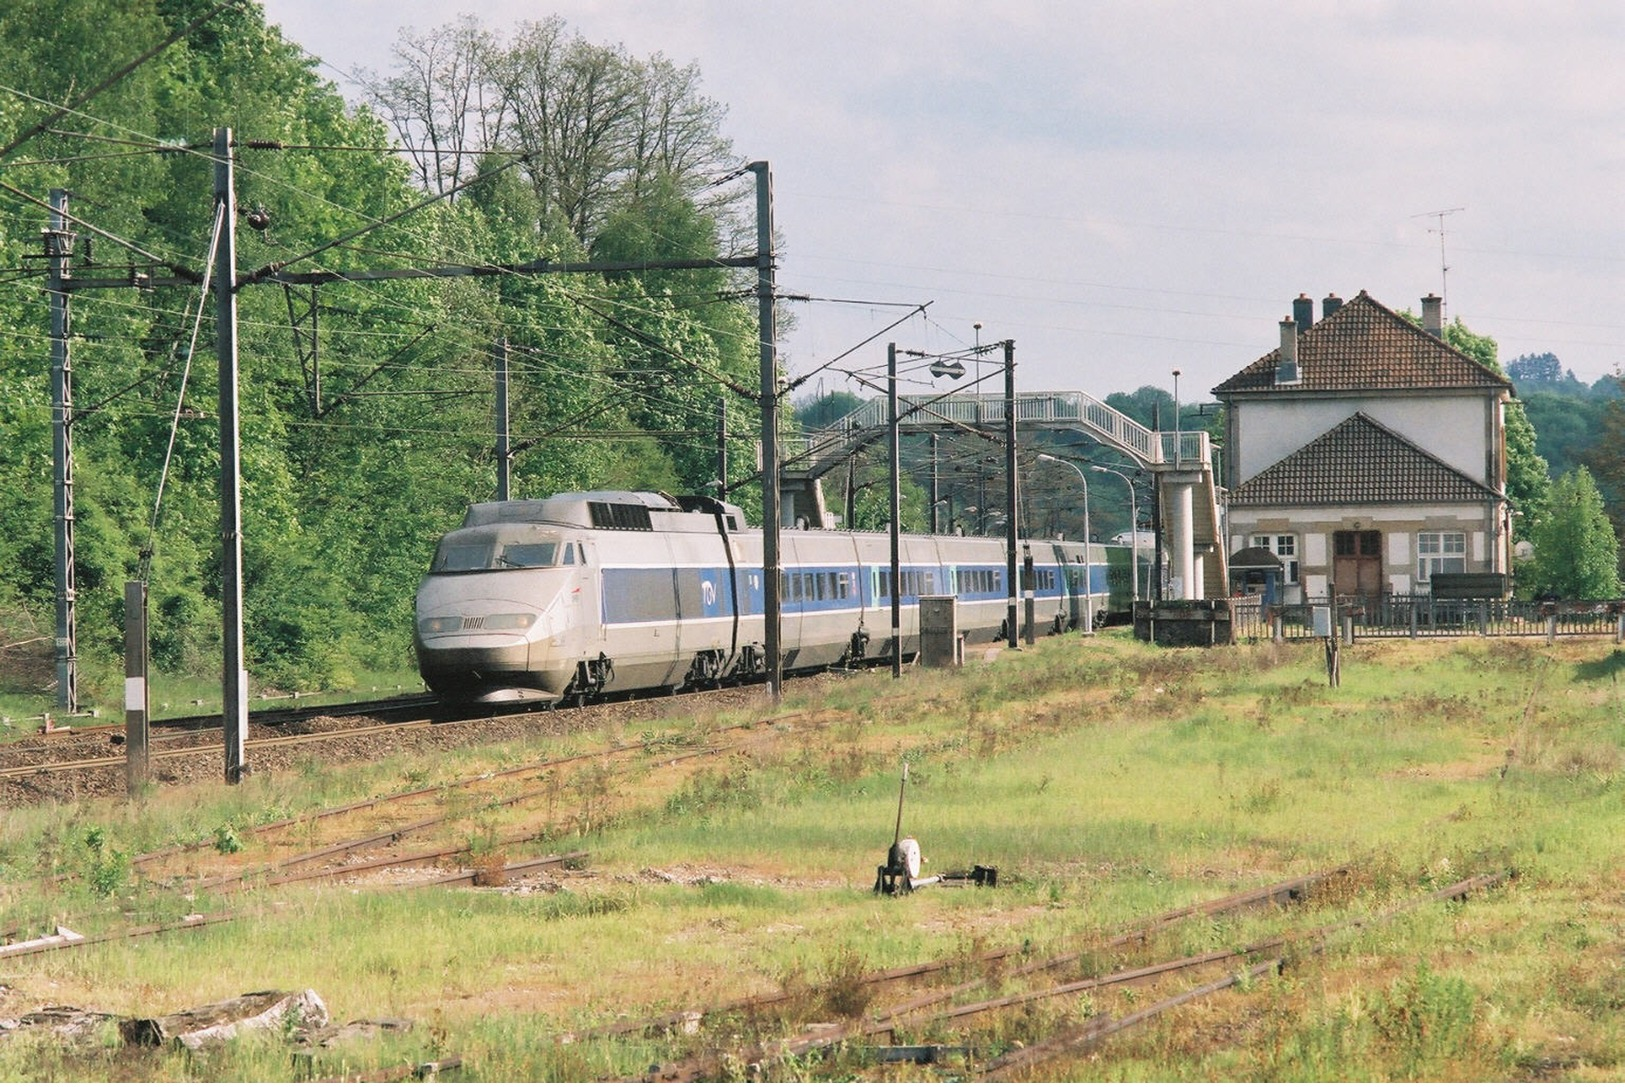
x=1366, y=455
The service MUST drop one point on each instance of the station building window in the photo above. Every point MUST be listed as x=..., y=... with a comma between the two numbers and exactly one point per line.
x=1440, y=553
x=1283, y=546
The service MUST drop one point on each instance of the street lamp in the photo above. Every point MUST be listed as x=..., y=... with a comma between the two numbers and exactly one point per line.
x=1178, y=443
x=1088, y=587
x=1133, y=524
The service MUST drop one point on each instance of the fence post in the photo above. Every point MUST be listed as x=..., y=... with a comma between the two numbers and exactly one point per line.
x=1413, y=616
x=1619, y=628
x=1484, y=618
x=1551, y=628
x=1277, y=634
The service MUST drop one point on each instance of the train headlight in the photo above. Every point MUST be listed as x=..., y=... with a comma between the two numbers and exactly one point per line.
x=440, y=624
x=518, y=620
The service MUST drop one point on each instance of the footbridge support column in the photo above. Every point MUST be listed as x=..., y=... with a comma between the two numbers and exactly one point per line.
x=1179, y=517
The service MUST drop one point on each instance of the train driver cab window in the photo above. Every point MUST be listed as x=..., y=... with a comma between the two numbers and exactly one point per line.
x=569, y=555
x=526, y=556
x=455, y=558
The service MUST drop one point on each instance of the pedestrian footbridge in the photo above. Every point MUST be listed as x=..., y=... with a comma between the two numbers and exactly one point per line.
x=1181, y=462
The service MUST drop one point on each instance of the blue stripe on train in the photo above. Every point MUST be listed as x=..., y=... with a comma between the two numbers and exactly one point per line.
x=643, y=595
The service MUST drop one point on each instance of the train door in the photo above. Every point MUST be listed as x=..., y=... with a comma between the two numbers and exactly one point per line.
x=640, y=611
x=793, y=592
x=1062, y=603
x=584, y=618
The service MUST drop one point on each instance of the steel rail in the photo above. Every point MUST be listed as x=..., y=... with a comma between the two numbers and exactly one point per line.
x=1103, y=1027
x=396, y=833
x=460, y=783
x=1284, y=891
x=210, y=749
x=911, y=1013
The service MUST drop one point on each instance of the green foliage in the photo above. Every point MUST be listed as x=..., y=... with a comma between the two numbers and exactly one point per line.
x=356, y=458
x=107, y=871
x=821, y=411
x=1152, y=404
x=227, y=840
x=1391, y=776
x=1606, y=459
x=1425, y=1021
x=1576, y=551
x=709, y=792
x=1528, y=476
x=1566, y=427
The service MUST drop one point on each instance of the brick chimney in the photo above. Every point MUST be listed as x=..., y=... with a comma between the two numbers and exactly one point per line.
x=1330, y=305
x=1433, y=315
x=1303, y=312
x=1286, y=371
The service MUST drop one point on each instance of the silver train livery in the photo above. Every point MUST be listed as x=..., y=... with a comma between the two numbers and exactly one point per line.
x=567, y=598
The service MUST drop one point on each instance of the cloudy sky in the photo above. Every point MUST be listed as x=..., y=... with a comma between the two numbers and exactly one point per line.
x=1130, y=188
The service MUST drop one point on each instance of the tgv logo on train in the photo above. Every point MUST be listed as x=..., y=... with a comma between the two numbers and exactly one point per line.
x=566, y=598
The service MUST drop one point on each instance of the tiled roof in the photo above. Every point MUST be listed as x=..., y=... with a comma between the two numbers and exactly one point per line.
x=1364, y=345
x=1358, y=462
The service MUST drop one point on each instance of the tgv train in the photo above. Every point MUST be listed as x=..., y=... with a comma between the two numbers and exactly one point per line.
x=580, y=595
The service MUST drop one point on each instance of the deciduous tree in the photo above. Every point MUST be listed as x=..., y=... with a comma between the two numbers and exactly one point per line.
x=1576, y=552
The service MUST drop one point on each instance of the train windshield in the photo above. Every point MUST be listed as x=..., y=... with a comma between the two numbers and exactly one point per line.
x=455, y=557
x=525, y=555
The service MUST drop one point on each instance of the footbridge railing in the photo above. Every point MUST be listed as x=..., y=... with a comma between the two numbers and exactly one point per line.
x=1181, y=461
x=822, y=449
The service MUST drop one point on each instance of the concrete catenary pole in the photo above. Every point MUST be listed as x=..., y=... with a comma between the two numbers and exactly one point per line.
x=59, y=251
x=896, y=513
x=234, y=674
x=135, y=686
x=769, y=400
x=1010, y=495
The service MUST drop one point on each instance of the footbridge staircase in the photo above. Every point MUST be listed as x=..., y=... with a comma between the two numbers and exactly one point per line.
x=1181, y=462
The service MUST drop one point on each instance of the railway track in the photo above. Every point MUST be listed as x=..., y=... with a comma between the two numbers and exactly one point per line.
x=196, y=750
x=450, y=801
x=1016, y=1063
x=384, y=708
x=179, y=739
x=1189, y=977
x=446, y=858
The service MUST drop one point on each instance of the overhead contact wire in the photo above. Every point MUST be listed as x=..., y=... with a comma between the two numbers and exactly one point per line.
x=180, y=398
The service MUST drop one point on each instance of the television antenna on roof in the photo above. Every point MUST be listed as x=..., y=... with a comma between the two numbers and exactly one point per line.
x=1444, y=267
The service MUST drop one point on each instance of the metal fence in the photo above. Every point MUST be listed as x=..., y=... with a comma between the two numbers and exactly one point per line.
x=1426, y=617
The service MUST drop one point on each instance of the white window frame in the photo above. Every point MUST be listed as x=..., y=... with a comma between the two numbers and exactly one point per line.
x=1440, y=553
x=1284, y=546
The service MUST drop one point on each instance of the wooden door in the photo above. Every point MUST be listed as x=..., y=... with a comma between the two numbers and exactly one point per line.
x=1357, y=564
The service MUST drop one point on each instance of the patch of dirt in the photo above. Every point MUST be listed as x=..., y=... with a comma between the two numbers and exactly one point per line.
x=1481, y=766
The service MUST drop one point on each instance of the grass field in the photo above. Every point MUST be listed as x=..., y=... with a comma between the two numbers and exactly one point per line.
x=1107, y=781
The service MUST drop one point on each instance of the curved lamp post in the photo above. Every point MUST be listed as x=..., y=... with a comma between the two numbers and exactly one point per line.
x=1088, y=587
x=1133, y=525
